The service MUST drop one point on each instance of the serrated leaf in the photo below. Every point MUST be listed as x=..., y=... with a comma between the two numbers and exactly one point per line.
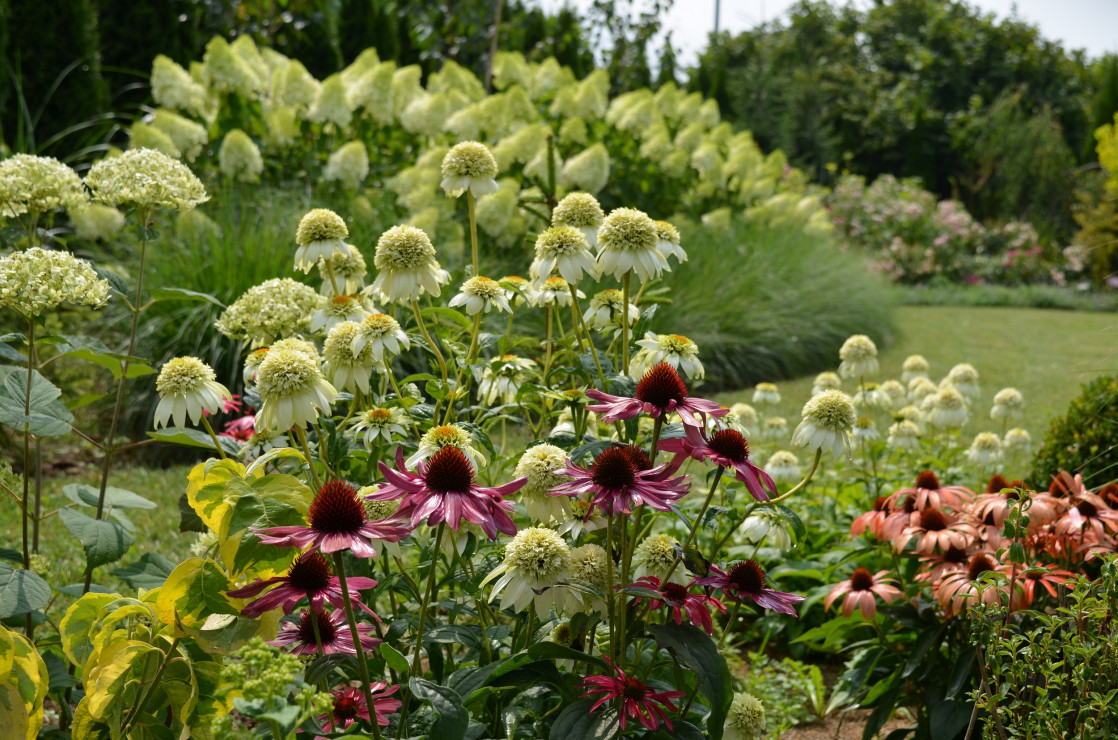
x=47, y=417
x=21, y=591
x=11, y=354
x=103, y=540
x=697, y=650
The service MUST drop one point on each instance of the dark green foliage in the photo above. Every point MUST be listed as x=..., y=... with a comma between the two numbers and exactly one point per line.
x=1105, y=103
x=1085, y=439
x=764, y=304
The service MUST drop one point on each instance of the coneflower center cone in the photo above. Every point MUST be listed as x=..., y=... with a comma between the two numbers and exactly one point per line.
x=660, y=386
x=674, y=591
x=345, y=707
x=309, y=572
x=927, y=480
x=325, y=628
x=979, y=564
x=933, y=520
x=449, y=470
x=1087, y=509
x=336, y=509
x=632, y=688
x=730, y=443
x=747, y=576
x=861, y=580
x=613, y=469
x=637, y=456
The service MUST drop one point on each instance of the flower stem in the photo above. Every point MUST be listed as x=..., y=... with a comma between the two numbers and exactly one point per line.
x=547, y=342
x=625, y=323
x=302, y=436
x=470, y=208
x=27, y=441
x=430, y=342
x=729, y=624
x=417, y=651
x=210, y=429
x=611, y=595
x=698, y=520
x=147, y=692
x=362, y=667
x=462, y=370
x=589, y=340
x=807, y=479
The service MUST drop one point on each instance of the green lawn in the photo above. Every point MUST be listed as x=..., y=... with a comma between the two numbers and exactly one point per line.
x=1046, y=354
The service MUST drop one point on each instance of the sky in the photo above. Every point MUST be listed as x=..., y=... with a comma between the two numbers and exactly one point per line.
x=1078, y=24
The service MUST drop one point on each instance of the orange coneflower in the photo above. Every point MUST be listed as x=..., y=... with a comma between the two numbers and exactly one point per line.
x=937, y=530
x=860, y=590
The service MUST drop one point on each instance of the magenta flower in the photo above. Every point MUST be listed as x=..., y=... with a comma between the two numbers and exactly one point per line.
x=349, y=704
x=618, y=480
x=746, y=580
x=337, y=522
x=310, y=576
x=637, y=699
x=335, y=633
x=680, y=599
x=443, y=490
x=727, y=448
x=660, y=392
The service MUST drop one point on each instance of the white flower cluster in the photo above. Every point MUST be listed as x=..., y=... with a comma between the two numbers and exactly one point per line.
x=29, y=183
x=275, y=308
x=39, y=280
x=146, y=178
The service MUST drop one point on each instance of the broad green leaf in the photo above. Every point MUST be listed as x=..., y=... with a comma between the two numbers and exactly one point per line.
x=205, y=490
x=546, y=650
x=117, y=676
x=453, y=720
x=576, y=720
x=394, y=658
x=30, y=679
x=276, y=453
x=210, y=701
x=15, y=722
x=7, y=352
x=697, y=650
x=243, y=551
x=21, y=591
x=456, y=317
x=83, y=400
x=150, y=571
x=47, y=417
x=86, y=727
x=104, y=540
x=7, y=652
x=76, y=624
x=224, y=633
x=194, y=438
x=181, y=294
x=192, y=594
x=114, y=362
x=116, y=498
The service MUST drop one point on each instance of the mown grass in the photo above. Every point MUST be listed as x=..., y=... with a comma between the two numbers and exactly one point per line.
x=1045, y=354
x=1021, y=296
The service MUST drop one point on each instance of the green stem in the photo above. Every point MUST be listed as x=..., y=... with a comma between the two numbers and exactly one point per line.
x=301, y=434
x=362, y=667
x=807, y=479
x=586, y=331
x=216, y=441
x=611, y=596
x=547, y=342
x=470, y=208
x=430, y=342
x=462, y=370
x=625, y=322
x=27, y=441
x=729, y=624
x=698, y=520
x=417, y=651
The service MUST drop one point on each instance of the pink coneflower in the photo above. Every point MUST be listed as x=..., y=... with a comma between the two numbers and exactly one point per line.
x=929, y=493
x=660, y=392
x=873, y=520
x=936, y=530
x=350, y=704
x=680, y=599
x=309, y=576
x=935, y=566
x=617, y=482
x=337, y=521
x=859, y=592
x=443, y=490
x=902, y=514
x=1047, y=576
x=336, y=636
x=240, y=429
x=637, y=699
x=958, y=589
x=1088, y=518
x=746, y=580
x=728, y=449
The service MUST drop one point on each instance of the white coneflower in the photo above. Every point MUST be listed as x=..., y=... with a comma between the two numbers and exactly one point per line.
x=985, y=450
x=828, y=422
x=481, y=294
x=864, y=430
x=502, y=378
x=555, y=291
x=448, y=435
x=896, y=393
x=379, y=423
x=746, y=719
x=783, y=467
x=963, y=378
x=766, y=393
x=654, y=555
x=588, y=563
x=668, y=241
x=775, y=428
x=535, y=561
x=675, y=349
x=870, y=396
x=563, y=249
x=345, y=368
x=252, y=362
x=321, y=233
x=520, y=291
x=948, y=409
x=384, y=334
x=605, y=313
x=336, y=310
x=348, y=269
x=904, y=435
x=261, y=442
x=1008, y=403
x=1018, y=441
x=627, y=242
x=915, y=366
x=581, y=211
x=297, y=344
x=859, y=357
x=538, y=464
x=187, y=388
x=745, y=416
x=469, y=165
x=407, y=265
x=825, y=381
x=292, y=389
x=766, y=523
x=920, y=388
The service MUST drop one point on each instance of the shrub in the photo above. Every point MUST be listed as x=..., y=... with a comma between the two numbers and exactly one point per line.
x=1085, y=439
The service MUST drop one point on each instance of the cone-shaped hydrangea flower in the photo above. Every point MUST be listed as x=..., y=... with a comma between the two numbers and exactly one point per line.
x=726, y=448
x=828, y=423
x=337, y=521
x=406, y=260
x=239, y=157
x=336, y=636
x=308, y=577
x=347, y=369
x=660, y=392
x=581, y=211
x=469, y=165
x=746, y=719
x=382, y=335
x=292, y=389
x=668, y=241
x=187, y=388
x=320, y=235
x=616, y=482
x=637, y=700
x=443, y=490
x=746, y=580
x=674, y=349
x=563, y=249
x=38, y=280
x=481, y=294
x=348, y=166
x=146, y=178
x=859, y=357
x=627, y=241
x=535, y=561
